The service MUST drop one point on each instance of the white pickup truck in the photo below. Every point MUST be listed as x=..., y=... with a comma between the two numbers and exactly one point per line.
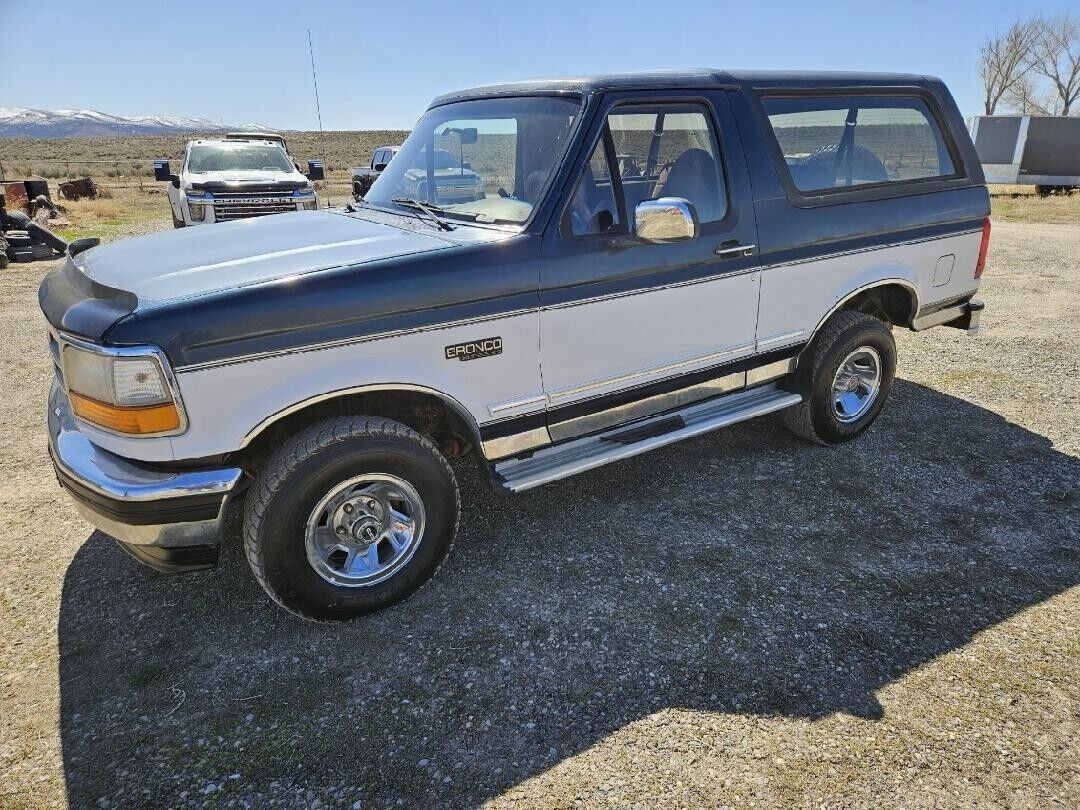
x=237, y=177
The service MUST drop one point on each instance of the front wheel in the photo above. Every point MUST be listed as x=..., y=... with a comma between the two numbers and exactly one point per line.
x=845, y=377
x=349, y=516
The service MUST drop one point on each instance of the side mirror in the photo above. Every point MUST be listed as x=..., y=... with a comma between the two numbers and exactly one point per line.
x=315, y=170
x=379, y=167
x=161, y=171
x=468, y=135
x=668, y=219
x=467, y=166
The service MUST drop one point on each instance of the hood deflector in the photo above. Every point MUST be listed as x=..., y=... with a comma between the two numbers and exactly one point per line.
x=75, y=303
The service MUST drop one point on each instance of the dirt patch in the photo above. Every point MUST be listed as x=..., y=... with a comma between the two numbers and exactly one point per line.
x=737, y=619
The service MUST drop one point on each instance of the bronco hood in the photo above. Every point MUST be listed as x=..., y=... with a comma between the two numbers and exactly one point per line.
x=88, y=294
x=196, y=261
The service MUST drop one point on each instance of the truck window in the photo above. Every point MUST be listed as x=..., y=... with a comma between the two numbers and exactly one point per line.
x=486, y=161
x=841, y=141
x=592, y=208
x=237, y=156
x=660, y=151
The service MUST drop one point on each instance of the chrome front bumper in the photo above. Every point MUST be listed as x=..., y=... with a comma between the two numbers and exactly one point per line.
x=168, y=519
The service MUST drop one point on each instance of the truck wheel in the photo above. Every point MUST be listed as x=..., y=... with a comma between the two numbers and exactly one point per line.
x=349, y=516
x=845, y=377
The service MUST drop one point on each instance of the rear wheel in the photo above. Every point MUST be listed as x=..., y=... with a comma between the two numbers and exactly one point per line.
x=845, y=378
x=349, y=516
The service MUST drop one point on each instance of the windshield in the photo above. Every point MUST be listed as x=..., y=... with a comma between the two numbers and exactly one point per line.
x=229, y=157
x=486, y=161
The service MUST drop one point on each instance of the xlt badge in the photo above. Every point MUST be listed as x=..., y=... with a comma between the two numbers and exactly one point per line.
x=475, y=349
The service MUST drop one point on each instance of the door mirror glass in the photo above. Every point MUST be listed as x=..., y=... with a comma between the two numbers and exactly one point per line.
x=161, y=171
x=315, y=170
x=379, y=167
x=668, y=219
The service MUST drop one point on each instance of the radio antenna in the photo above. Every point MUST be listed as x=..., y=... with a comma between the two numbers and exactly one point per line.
x=315, y=81
x=319, y=109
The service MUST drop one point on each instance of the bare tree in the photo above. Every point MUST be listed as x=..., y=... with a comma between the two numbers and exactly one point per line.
x=1055, y=55
x=1006, y=59
x=1028, y=98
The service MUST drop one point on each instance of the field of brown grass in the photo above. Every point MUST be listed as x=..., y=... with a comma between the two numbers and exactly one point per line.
x=1021, y=204
x=133, y=155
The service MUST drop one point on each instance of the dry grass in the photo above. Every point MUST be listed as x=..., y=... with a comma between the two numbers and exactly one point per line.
x=129, y=212
x=96, y=209
x=133, y=155
x=1026, y=206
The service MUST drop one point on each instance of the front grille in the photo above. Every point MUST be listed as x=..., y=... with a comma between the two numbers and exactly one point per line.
x=227, y=189
x=239, y=206
x=456, y=190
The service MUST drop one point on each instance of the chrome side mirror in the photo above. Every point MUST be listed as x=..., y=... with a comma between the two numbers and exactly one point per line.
x=668, y=219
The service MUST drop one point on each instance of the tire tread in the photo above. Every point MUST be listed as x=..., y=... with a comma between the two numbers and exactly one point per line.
x=799, y=418
x=298, y=449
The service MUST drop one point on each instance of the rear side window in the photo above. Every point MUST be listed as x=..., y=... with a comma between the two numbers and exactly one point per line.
x=833, y=142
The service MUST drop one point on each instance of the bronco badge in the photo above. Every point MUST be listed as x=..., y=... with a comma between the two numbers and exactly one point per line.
x=475, y=349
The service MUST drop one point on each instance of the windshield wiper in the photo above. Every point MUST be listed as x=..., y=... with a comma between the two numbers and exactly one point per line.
x=441, y=224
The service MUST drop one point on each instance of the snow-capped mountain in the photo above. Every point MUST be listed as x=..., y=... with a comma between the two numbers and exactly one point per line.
x=22, y=122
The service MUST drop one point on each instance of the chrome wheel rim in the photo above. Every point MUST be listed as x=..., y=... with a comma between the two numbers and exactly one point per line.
x=364, y=530
x=856, y=384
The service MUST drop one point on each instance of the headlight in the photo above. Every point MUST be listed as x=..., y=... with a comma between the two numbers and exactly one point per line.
x=197, y=210
x=125, y=392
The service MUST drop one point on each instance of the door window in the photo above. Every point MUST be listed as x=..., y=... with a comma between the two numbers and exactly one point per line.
x=646, y=152
x=593, y=209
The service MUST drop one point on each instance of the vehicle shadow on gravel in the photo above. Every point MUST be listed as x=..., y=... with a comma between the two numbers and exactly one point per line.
x=740, y=572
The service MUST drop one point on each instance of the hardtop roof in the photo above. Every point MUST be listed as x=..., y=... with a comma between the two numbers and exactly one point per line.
x=692, y=78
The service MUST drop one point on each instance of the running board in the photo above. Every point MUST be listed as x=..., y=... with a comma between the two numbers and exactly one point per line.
x=579, y=455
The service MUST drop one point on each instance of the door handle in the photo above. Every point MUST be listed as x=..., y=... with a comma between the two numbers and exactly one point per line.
x=732, y=249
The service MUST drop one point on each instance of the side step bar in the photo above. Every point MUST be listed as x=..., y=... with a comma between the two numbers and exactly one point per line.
x=579, y=455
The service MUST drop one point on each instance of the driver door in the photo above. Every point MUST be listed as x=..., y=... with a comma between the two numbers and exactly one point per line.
x=629, y=328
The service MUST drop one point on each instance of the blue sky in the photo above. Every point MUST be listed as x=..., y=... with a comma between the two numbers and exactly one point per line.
x=379, y=64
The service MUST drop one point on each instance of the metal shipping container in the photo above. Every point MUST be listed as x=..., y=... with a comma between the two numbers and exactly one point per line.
x=1038, y=150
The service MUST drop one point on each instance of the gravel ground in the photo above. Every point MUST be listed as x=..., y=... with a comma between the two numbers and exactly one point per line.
x=741, y=619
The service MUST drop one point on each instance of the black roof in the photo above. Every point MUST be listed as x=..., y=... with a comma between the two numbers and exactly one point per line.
x=696, y=78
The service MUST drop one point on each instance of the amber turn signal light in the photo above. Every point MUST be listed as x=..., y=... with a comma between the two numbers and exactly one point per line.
x=140, y=420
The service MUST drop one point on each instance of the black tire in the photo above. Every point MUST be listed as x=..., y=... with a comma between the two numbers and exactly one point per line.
x=17, y=239
x=303, y=471
x=815, y=418
x=46, y=237
x=17, y=221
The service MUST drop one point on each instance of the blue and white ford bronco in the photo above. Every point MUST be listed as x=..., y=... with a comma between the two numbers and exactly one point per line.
x=646, y=258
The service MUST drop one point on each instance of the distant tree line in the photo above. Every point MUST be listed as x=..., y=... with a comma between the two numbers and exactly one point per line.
x=1033, y=68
